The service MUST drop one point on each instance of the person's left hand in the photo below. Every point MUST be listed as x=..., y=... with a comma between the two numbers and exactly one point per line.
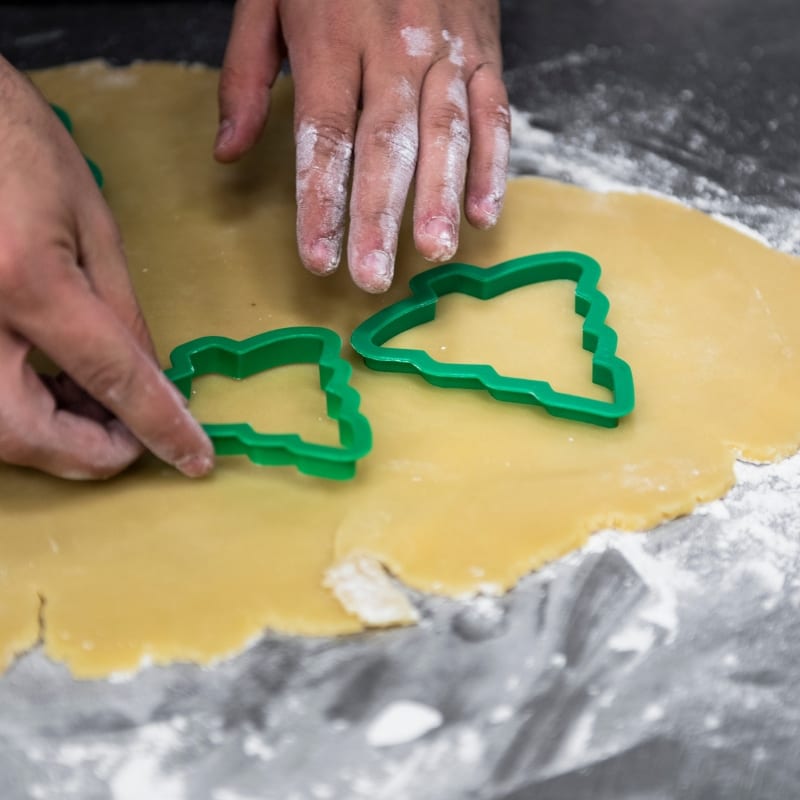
x=427, y=74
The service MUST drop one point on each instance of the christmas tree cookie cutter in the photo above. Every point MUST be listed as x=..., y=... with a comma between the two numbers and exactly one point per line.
x=219, y=355
x=66, y=121
x=608, y=370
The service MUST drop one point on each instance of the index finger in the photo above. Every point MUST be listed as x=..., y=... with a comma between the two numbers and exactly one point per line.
x=387, y=144
x=82, y=334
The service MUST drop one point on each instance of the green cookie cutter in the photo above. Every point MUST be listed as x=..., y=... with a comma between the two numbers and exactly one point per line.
x=66, y=121
x=608, y=370
x=241, y=359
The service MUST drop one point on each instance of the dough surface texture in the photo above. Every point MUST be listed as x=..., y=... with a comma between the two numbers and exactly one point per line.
x=461, y=493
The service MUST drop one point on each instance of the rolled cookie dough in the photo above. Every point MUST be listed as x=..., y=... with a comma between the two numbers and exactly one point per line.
x=460, y=492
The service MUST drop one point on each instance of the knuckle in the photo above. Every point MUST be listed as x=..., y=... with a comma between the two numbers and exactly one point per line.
x=323, y=140
x=498, y=117
x=133, y=319
x=334, y=141
x=30, y=274
x=239, y=87
x=487, y=78
x=398, y=137
x=15, y=280
x=138, y=326
x=101, y=228
x=383, y=219
x=109, y=382
x=488, y=40
x=450, y=122
x=333, y=133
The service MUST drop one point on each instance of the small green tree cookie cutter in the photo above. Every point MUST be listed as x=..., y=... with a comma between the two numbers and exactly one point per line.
x=66, y=121
x=608, y=370
x=241, y=359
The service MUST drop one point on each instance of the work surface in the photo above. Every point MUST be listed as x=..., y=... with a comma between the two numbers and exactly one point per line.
x=646, y=666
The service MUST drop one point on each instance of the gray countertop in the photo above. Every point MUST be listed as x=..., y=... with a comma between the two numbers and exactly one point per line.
x=657, y=665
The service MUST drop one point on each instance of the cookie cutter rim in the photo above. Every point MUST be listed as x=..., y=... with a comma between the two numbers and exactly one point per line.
x=296, y=345
x=608, y=369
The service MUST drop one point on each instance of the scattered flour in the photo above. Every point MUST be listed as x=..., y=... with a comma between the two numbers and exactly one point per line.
x=501, y=714
x=141, y=772
x=323, y=166
x=653, y=713
x=456, y=48
x=402, y=722
x=602, y=163
x=255, y=746
x=635, y=638
x=418, y=41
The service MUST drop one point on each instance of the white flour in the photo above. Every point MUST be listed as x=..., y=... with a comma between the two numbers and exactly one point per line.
x=401, y=722
x=579, y=157
x=418, y=41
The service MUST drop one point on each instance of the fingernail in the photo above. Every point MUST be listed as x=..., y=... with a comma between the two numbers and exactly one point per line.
x=443, y=234
x=377, y=270
x=487, y=212
x=324, y=256
x=195, y=466
x=224, y=133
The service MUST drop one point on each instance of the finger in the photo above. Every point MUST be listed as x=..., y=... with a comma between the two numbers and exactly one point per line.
x=490, y=124
x=35, y=432
x=444, y=150
x=326, y=100
x=78, y=331
x=251, y=66
x=386, y=148
x=102, y=257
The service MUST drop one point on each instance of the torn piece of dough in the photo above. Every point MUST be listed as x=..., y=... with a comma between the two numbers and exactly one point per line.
x=363, y=587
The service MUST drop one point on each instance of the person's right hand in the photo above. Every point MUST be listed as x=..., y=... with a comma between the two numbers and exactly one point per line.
x=65, y=289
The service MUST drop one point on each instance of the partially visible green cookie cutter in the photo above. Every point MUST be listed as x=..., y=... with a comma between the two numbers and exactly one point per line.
x=608, y=369
x=241, y=359
x=67, y=122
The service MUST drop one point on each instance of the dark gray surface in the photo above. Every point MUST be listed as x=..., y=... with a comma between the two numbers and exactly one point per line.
x=46, y=34
x=647, y=666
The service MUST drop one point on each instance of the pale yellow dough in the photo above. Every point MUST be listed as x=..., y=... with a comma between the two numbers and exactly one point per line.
x=460, y=491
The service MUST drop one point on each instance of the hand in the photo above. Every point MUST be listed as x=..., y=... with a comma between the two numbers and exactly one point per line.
x=428, y=76
x=64, y=289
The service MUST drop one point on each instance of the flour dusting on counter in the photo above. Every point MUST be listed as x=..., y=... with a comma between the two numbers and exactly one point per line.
x=401, y=722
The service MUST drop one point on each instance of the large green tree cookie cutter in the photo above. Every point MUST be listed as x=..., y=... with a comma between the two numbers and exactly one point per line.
x=241, y=359
x=608, y=369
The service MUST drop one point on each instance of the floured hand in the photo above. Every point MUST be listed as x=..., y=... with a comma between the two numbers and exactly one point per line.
x=427, y=76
